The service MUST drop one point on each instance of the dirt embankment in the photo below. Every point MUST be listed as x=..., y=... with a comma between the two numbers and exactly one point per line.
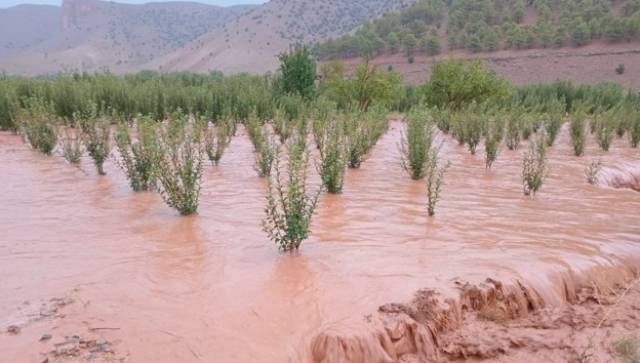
x=589, y=64
x=496, y=322
x=621, y=177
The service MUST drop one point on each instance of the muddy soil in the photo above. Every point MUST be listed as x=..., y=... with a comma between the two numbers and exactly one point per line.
x=495, y=275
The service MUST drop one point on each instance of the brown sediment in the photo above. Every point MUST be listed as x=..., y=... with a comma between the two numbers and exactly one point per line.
x=212, y=287
x=623, y=174
x=432, y=328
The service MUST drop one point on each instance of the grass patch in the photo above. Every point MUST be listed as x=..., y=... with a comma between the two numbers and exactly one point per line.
x=628, y=348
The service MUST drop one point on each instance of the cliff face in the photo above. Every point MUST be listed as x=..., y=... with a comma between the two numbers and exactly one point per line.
x=74, y=11
x=69, y=13
x=91, y=35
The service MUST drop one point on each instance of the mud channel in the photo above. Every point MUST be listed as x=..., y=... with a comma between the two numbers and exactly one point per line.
x=116, y=276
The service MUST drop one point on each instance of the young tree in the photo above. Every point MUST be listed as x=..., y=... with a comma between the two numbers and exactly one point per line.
x=546, y=34
x=632, y=26
x=432, y=45
x=452, y=38
x=454, y=84
x=418, y=27
x=298, y=70
x=517, y=12
x=614, y=30
x=368, y=86
x=560, y=37
x=516, y=37
x=530, y=36
x=392, y=42
x=492, y=40
x=580, y=33
x=595, y=27
x=410, y=43
x=473, y=43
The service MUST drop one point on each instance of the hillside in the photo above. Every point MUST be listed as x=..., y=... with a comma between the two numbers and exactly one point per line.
x=251, y=43
x=90, y=35
x=27, y=26
x=431, y=26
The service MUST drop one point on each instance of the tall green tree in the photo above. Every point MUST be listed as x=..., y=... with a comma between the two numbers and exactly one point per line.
x=560, y=36
x=530, y=36
x=492, y=40
x=410, y=43
x=580, y=33
x=595, y=27
x=545, y=30
x=454, y=84
x=614, y=30
x=298, y=69
x=452, y=38
x=473, y=43
x=516, y=38
x=392, y=42
x=432, y=45
x=418, y=27
x=367, y=87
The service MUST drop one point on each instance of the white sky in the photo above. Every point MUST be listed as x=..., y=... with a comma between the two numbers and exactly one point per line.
x=9, y=3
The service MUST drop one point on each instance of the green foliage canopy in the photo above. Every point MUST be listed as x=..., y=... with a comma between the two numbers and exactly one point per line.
x=454, y=83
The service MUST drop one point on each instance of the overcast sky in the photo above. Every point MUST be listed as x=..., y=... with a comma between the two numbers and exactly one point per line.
x=9, y=3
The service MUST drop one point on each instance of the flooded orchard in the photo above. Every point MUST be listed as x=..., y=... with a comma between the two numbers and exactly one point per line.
x=213, y=288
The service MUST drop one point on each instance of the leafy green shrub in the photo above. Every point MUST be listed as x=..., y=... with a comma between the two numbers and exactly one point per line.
x=534, y=166
x=443, y=120
x=620, y=118
x=628, y=348
x=415, y=144
x=298, y=72
x=454, y=84
x=513, y=129
x=554, y=122
x=71, y=145
x=493, y=136
x=333, y=159
x=578, y=129
x=264, y=157
x=435, y=175
x=254, y=130
x=180, y=166
x=604, y=126
x=97, y=138
x=620, y=68
x=474, y=124
x=459, y=127
x=139, y=159
x=593, y=171
x=368, y=87
x=356, y=138
x=526, y=125
x=290, y=206
x=634, y=128
x=9, y=107
x=411, y=59
x=217, y=139
x=323, y=111
x=38, y=127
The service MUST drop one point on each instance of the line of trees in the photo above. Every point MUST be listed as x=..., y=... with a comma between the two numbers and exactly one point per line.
x=487, y=25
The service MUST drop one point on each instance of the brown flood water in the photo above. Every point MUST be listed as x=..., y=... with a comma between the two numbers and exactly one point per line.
x=213, y=288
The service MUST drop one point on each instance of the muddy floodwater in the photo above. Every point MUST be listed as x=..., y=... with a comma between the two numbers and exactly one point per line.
x=213, y=288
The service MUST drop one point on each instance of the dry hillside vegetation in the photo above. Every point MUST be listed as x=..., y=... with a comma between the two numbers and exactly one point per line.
x=26, y=26
x=430, y=26
x=89, y=35
x=252, y=42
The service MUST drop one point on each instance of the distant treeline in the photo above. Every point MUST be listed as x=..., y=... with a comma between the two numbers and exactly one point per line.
x=488, y=25
x=213, y=95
